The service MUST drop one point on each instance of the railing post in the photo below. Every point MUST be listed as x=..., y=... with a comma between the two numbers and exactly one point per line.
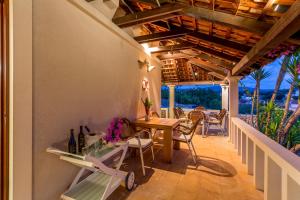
x=244, y=147
x=259, y=163
x=272, y=182
x=250, y=156
x=284, y=189
x=171, y=100
x=239, y=141
x=233, y=96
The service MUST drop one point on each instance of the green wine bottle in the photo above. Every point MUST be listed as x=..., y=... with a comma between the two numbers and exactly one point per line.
x=81, y=140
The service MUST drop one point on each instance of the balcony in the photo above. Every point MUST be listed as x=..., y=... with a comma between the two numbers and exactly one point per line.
x=245, y=165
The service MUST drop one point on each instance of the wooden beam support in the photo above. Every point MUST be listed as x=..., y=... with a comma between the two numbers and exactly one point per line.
x=217, y=75
x=160, y=36
x=239, y=22
x=285, y=27
x=218, y=54
x=222, y=63
x=180, y=32
x=189, y=45
x=220, y=42
x=194, y=83
x=208, y=66
x=163, y=12
x=171, y=48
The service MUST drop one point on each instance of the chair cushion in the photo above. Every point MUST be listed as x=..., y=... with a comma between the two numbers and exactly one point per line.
x=214, y=121
x=180, y=137
x=133, y=142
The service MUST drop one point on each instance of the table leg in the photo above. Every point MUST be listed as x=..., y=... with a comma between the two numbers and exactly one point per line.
x=168, y=145
x=203, y=128
x=176, y=145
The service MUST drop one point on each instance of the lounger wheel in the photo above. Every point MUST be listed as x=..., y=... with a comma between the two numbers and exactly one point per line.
x=129, y=181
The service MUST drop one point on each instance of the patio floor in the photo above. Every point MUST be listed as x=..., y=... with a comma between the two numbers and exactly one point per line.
x=220, y=175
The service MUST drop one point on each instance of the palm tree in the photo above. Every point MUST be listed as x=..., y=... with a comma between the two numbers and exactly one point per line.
x=283, y=133
x=294, y=82
x=258, y=76
x=274, y=95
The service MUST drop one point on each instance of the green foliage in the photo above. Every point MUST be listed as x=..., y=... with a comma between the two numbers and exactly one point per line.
x=147, y=103
x=276, y=116
x=199, y=96
x=260, y=74
x=294, y=135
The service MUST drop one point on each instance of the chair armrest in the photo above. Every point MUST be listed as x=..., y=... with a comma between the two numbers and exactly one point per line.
x=138, y=134
x=182, y=132
x=183, y=126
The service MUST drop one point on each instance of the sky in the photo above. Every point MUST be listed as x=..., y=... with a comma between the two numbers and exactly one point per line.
x=269, y=83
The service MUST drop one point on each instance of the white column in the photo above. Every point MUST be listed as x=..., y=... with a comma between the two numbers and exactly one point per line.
x=233, y=97
x=225, y=97
x=171, y=100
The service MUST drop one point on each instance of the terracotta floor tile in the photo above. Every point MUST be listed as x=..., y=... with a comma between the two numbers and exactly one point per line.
x=219, y=175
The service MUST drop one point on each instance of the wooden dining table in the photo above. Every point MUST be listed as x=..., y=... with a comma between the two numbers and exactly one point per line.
x=165, y=124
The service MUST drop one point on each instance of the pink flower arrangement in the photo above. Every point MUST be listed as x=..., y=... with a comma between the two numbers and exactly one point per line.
x=114, y=130
x=298, y=68
x=281, y=50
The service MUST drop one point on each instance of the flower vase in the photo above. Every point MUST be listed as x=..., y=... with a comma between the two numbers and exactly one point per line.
x=147, y=116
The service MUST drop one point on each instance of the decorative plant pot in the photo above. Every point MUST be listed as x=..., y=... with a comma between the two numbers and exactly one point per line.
x=147, y=116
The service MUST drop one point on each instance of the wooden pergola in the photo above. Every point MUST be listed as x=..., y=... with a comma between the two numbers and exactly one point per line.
x=201, y=40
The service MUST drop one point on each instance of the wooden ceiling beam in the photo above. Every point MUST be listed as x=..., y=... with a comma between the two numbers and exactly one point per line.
x=217, y=75
x=189, y=45
x=180, y=32
x=171, y=48
x=208, y=66
x=220, y=42
x=285, y=27
x=175, y=9
x=223, y=64
x=218, y=54
x=193, y=83
x=234, y=21
x=160, y=36
x=163, y=12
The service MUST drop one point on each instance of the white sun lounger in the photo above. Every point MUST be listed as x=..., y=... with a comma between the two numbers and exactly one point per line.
x=105, y=174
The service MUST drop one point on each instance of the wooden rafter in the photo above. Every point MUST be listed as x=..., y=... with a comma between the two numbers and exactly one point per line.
x=239, y=22
x=172, y=10
x=286, y=26
x=160, y=36
x=189, y=45
x=208, y=66
x=216, y=61
x=155, y=14
x=180, y=32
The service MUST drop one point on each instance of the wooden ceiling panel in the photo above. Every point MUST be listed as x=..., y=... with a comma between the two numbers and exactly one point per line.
x=219, y=31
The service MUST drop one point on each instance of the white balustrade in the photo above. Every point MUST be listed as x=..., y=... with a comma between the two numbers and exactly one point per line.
x=275, y=170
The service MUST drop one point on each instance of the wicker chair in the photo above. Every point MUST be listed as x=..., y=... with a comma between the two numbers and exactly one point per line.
x=199, y=108
x=156, y=132
x=179, y=114
x=217, y=120
x=185, y=134
x=136, y=140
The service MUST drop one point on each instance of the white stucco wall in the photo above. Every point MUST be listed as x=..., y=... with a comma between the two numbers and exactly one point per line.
x=84, y=72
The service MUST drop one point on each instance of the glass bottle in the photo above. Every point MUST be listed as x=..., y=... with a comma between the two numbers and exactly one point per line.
x=81, y=140
x=72, y=142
